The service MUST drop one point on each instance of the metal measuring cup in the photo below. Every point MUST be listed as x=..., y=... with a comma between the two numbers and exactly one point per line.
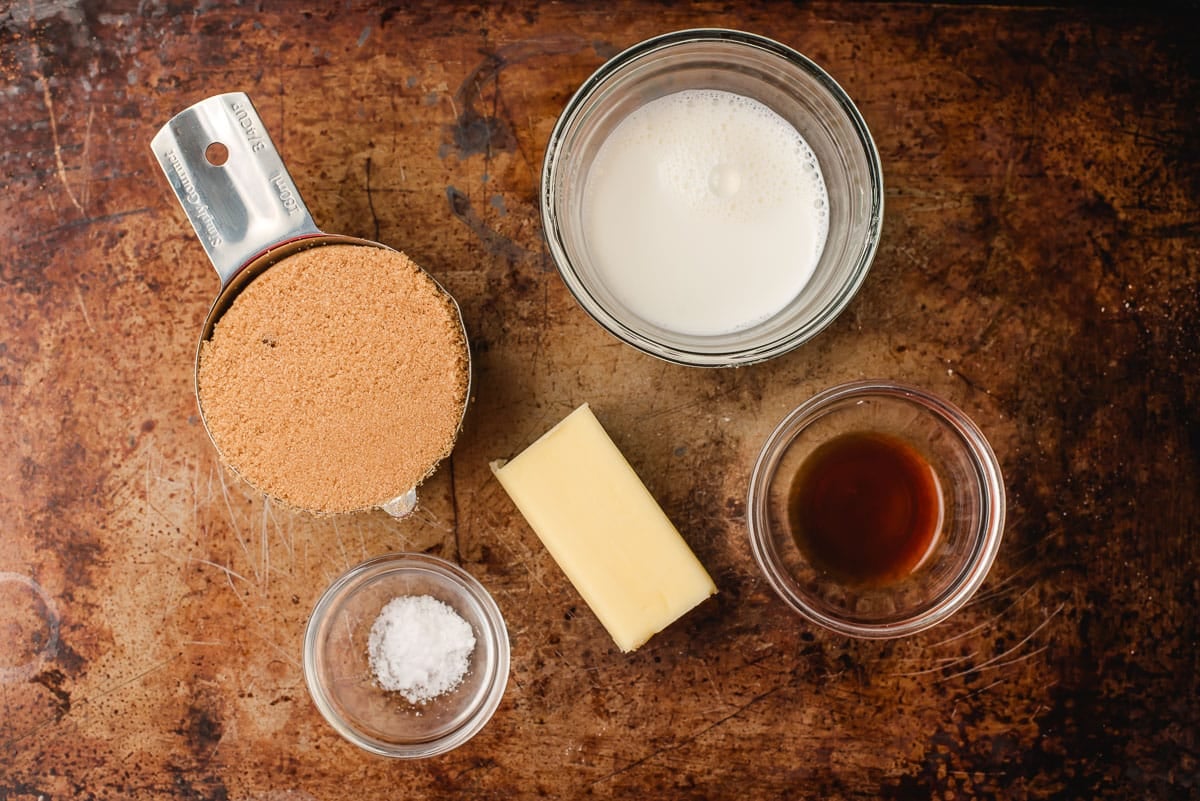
x=233, y=187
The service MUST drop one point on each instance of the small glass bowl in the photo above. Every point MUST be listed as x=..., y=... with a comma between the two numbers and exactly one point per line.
x=783, y=80
x=339, y=676
x=972, y=493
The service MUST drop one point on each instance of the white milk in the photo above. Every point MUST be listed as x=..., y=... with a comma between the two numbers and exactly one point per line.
x=705, y=212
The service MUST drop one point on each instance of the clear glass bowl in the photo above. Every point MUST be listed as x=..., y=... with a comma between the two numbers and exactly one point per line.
x=752, y=66
x=339, y=676
x=972, y=493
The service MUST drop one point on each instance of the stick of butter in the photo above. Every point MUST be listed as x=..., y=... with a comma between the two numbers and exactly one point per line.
x=605, y=530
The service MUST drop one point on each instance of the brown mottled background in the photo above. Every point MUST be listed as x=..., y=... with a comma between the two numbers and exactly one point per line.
x=1039, y=267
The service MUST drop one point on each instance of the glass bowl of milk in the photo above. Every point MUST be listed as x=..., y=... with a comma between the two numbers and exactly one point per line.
x=712, y=197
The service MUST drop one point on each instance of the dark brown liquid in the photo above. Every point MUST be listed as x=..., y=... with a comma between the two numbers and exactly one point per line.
x=865, y=508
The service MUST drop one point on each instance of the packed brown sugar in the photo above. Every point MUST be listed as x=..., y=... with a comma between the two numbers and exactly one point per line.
x=336, y=380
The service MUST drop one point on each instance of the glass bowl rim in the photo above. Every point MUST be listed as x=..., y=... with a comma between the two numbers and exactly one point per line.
x=987, y=537
x=734, y=356
x=494, y=630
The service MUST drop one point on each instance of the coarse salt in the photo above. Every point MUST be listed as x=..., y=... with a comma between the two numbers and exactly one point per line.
x=420, y=647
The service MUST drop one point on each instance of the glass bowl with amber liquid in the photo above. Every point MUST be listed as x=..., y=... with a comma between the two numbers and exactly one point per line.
x=876, y=509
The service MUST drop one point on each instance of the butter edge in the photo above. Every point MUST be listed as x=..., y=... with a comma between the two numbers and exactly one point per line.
x=497, y=465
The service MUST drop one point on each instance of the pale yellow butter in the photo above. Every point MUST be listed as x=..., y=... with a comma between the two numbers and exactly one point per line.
x=605, y=530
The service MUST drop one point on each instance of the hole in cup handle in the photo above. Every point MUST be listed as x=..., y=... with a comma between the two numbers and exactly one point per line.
x=216, y=154
x=401, y=506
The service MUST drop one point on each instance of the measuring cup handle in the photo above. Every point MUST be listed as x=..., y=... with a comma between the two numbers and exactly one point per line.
x=401, y=506
x=230, y=181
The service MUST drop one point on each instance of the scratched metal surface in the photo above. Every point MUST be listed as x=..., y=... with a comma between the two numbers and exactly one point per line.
x=1039, y=267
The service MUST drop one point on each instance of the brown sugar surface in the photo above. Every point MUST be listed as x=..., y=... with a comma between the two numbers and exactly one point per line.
x=336, y=380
